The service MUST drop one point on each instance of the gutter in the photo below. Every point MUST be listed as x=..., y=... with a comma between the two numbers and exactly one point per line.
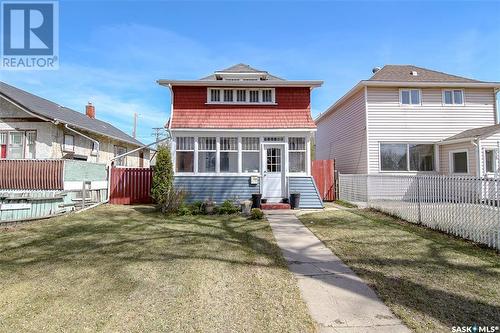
x=222, y=83
x=86, y=137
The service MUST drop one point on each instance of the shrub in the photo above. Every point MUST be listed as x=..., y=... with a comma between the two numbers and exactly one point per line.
x=227, y=208
x=256, y=214
x=184, y=210
x=196, y=207
x=162, y=189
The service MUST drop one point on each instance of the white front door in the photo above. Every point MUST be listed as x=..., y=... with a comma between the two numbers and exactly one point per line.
x=273, y=173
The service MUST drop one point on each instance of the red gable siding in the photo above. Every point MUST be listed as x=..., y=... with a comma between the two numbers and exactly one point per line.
x=292, y=111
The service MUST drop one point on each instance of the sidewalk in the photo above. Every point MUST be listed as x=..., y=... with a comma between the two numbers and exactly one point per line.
x=338, y=300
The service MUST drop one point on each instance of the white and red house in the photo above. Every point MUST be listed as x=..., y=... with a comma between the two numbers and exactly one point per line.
x=241, y=131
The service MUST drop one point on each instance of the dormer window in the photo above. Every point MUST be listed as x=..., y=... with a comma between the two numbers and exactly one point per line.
x=241, y=96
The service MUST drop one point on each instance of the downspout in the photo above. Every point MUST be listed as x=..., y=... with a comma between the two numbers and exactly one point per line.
x=108, y=164
x=86, y=137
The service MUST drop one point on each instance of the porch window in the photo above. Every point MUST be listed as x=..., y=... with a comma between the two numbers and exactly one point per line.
x=490, y=160
x=15, y=146
x=207, y=154
x=250, y=155
x=409, y=96
x=119, y=150
x=228, y=154
x=297, y=154
x=69, y=142
x=184, y=155
x=453, y=97
x=460, y=162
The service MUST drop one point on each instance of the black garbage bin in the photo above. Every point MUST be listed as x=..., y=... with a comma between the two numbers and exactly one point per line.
x=256, y=200
x=295, y=200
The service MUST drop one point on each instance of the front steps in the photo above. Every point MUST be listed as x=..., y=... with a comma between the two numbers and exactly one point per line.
x=274, y=206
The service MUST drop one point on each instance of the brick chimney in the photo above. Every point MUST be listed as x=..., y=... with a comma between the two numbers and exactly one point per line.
x=90, y=110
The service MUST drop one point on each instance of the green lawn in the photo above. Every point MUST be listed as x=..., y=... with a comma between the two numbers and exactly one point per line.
x=430, y=280
x=119, y=268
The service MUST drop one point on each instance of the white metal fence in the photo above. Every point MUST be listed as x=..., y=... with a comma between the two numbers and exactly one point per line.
x=462, y=206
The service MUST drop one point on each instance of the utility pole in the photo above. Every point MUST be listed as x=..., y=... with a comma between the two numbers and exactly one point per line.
x=158, y=133
x=134, y=133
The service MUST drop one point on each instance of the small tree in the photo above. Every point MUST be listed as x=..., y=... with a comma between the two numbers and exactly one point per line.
x=162, y=190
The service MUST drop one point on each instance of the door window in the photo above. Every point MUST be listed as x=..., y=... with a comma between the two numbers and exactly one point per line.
x=273, y=159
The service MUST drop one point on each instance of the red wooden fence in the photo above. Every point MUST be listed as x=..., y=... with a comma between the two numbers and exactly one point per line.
x=31, y=174
x=130, y=186
x=323, y=172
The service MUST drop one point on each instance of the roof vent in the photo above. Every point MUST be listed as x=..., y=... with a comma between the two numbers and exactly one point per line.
x=376, y=69
x=413, y=73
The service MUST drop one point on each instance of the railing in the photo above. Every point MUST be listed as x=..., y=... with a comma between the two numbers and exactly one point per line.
x=462, y=206
x=31, y=174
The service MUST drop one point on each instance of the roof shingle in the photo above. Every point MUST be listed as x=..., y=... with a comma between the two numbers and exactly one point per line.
x=475, y=132
x=403, y=73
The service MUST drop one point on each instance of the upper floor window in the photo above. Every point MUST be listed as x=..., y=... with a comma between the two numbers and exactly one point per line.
x=69, y=142
x=453, y=97
x=409, y=96
x=241, y=96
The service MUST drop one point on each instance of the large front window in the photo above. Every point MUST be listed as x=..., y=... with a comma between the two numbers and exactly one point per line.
x=250, y=154
x=406, y=157
x=207, y=154
x=297, y=154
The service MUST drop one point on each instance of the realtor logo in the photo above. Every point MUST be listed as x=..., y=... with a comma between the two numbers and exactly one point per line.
x=29, y=35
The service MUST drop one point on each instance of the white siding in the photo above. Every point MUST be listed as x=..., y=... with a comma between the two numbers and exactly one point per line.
x=341, y=136
x=427, y=123
x=444, y=157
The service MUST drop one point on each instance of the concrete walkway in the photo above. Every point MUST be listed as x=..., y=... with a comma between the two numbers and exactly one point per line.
x=338, y=300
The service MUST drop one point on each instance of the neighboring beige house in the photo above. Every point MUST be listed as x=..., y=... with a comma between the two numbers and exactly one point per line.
x=34, y=128
x=406, y=120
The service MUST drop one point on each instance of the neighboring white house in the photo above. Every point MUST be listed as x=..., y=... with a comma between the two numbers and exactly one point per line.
x=406, y=119
x=241, y=131
x=32, y=127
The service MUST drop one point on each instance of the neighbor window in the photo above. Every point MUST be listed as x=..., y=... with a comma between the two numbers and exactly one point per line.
x=206, y=154
x=3, y=145
x=406, y=157
x=459, y=162
x=297, y=154
x=489, y=160
x=30, y=144
x=69, y=142
x=184, y=155
x=410, y=96
x=228, y=154
x=15, y=146
x=421, y=157
x=119, y=150
x=250, y=154
x=453, y=97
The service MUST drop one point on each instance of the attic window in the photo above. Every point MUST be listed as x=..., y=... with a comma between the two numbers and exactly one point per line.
x=413, y=73
x=241, y=96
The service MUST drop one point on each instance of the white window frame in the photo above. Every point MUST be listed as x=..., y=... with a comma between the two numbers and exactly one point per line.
x=216, y=150
x=66, y=146
x=435, y=166
x=453, y=97
x=495, y=160
x=452, y=164
x=123, y=160
x=221, y=150
x=410, y=89
x=247, y=96
x=250, y=151
x=289, y=151
x=194, y=150
x=26, y=150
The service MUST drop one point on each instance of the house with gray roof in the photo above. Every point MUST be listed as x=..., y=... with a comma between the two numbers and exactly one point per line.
x=407, y=120
x=32, y=127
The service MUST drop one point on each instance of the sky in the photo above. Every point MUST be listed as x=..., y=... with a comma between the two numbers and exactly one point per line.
x=112, y=52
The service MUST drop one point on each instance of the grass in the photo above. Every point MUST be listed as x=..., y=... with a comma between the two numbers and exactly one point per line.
x=119, y=268
x=430, y=280
x=344, y=204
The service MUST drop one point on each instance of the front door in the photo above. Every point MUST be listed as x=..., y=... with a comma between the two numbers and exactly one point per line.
x=273, y=173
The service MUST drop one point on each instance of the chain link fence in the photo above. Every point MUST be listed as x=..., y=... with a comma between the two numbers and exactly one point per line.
x=462, y=206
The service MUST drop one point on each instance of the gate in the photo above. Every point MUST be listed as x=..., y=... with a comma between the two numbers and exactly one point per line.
x=130, y=186
x=323, y=174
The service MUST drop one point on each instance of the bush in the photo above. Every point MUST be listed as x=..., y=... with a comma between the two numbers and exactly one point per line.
x=162, y=189
x=196, y=208
x=184, y=210
x=256, y=214
x=228, y=208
